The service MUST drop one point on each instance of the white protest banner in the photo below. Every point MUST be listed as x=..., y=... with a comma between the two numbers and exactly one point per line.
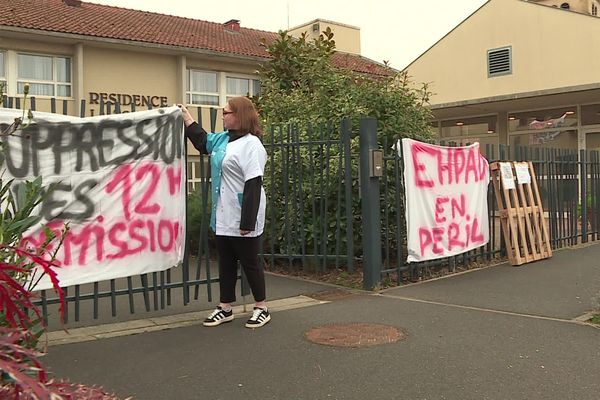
x=119, y=187
x=446, y=199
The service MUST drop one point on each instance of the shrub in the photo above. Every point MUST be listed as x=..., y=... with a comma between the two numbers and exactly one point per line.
x=197, y=214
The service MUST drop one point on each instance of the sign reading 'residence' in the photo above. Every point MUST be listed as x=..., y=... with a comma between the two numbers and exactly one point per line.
x=446, y=199
x=118, y=186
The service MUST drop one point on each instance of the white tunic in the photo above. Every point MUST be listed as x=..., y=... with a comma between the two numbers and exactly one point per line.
x=245, y=159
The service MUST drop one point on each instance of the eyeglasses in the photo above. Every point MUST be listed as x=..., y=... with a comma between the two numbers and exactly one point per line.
x=227, y=112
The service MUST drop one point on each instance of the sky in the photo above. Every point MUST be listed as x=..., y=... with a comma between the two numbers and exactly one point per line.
x=394, y=30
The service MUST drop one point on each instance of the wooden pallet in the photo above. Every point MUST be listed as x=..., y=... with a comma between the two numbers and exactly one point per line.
x=524, y=226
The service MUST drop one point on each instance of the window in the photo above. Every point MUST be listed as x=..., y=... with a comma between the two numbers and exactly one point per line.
x=46, y=75
x=211, y=88
x=549, y=119
x=242, y=87
x=592, y=141
x=466, y=131
x=594, y=9
x=552, y=139
x=590, y=114
x=193, y=173
x=499, y=61
x=202, y=88
x=474, y=126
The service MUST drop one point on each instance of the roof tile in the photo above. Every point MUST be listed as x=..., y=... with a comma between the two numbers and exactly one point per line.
x=110, y=22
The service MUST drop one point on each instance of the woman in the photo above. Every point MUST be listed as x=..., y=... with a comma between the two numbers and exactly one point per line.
x=237, y=160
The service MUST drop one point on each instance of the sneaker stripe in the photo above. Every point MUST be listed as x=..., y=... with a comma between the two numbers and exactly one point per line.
x=259, y=318
x=218, y=316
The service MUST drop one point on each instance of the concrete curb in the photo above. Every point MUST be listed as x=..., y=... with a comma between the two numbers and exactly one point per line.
x=98, y=332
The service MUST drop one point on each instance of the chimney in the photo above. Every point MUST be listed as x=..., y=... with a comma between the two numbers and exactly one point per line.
x=231, y=25
x=73, y=3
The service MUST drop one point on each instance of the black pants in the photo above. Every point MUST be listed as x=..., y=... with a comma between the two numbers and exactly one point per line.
x=232, y=249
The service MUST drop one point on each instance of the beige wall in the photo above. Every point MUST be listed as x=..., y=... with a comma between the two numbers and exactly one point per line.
x=107, y=69
x=133, y=73
x=347, y=37
x=550, y=49
x=104, y=70
x=224, y=65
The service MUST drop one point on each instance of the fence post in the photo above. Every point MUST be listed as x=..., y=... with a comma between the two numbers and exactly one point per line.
x=583, y=197
x=371, y=210
x=346, y=131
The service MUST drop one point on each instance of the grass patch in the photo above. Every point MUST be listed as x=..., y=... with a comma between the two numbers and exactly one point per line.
x=354, y=280
x=595, y=319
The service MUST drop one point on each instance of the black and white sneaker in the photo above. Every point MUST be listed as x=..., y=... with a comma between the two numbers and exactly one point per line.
x=218, y=317
x=259, y=317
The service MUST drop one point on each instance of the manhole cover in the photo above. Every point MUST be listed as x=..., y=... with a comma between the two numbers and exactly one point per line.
x=354, y=335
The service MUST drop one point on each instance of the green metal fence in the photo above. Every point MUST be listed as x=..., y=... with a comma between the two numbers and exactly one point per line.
x=327, y=208
x=565, y=177
x=310, y=188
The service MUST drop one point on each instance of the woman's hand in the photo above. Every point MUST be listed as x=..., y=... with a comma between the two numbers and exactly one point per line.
x=187, y=117
x=243, y=232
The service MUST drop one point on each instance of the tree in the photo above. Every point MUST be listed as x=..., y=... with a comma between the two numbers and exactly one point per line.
x=303, y=98
x=299, y=84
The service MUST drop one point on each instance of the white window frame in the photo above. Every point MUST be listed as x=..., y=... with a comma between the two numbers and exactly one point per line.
x=55, y=82
x=189, y=93
x=222, y=93
x=194, y=179
x=252, y=81
x=4, y=70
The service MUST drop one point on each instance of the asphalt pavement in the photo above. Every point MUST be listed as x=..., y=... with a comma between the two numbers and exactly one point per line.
x=500, y=332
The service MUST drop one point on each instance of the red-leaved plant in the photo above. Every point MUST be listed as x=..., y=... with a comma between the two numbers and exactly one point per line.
x=22, y=376
x=15, y=299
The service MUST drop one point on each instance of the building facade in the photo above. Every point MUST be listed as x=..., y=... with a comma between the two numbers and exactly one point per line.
x=517, y=73
x=347, y=37
x=582, y=6
x=83, y=54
